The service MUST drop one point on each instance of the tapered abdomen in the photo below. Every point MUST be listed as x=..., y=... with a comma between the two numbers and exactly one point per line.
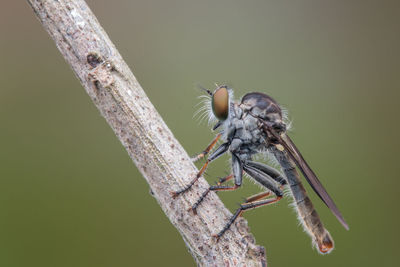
x=305, y=209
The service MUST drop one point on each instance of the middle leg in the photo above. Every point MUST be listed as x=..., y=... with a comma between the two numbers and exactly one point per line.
x=237, y=174
x=255, y=201
x=217, y=187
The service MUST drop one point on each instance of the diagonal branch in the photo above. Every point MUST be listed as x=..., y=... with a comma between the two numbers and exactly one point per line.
x=151, y=145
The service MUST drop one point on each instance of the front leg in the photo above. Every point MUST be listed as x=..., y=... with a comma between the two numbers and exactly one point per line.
x=208, y=148
x=216, y=154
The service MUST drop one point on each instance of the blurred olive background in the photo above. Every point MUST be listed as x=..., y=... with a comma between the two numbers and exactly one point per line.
x=69, y=193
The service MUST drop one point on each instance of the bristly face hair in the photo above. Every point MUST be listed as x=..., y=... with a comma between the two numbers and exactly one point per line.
x=257, y=125
x=206, y=112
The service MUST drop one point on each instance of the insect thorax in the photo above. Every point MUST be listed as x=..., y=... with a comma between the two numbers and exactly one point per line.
x=243, y=127
x=244, y=133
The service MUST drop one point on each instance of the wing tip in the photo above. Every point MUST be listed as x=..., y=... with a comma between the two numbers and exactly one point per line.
x=344, y=223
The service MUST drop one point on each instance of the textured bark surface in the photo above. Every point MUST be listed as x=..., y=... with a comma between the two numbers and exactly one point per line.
x=151, y=145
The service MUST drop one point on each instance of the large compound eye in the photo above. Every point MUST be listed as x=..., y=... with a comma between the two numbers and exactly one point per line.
x=220, y=103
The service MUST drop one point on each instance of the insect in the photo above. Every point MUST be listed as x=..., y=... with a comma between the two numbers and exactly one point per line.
x=256, y=125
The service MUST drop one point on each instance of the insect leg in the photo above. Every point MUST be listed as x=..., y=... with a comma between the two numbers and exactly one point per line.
x=243, y=208
x=222, y=180
x=213, y=188
x=251, y=202
x=237, y=168
x=273, y=173
x=258, y=196
x=225, y=179
x=264, y=179
x=216, y=154
x=208, y=148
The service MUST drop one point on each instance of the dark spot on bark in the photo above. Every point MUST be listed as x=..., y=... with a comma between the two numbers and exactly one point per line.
x=151, y=192
x=172, y=145
x=94, y=59
x=96, y=85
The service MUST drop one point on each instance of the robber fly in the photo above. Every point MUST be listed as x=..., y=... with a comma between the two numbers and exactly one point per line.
x=255, y=125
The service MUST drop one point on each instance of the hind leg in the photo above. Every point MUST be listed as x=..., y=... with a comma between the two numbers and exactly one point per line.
x=256, y=200
x=244, y=207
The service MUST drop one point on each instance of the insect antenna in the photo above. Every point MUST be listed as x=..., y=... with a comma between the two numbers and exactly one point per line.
x=205, y=89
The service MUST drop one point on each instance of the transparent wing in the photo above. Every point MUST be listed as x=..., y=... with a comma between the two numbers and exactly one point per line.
x=310, y=176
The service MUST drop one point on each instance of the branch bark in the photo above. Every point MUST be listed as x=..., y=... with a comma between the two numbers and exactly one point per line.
x=151, y=145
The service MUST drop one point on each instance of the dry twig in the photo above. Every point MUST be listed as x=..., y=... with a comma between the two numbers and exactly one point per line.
x=151, y=145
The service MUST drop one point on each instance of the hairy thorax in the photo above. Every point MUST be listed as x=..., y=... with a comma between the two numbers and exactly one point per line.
x=244, y=132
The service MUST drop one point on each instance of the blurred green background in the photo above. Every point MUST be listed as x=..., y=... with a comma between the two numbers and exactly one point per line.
x=69, y=193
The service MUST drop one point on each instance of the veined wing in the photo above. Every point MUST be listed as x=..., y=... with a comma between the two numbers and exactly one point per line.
x=310, y=176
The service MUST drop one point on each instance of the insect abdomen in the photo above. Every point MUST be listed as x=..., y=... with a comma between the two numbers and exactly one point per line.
x=310, y=218
x=305, y=209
